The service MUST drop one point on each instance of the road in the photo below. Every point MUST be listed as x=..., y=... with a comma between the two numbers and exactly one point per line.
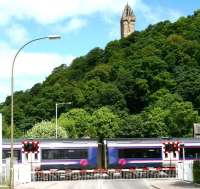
x=90, y=184
x=111, y=184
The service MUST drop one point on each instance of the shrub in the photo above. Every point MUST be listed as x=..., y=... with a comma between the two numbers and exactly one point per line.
x=196, y=171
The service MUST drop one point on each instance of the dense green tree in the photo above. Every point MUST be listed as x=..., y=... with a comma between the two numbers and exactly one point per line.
x=97, y=94
x=80, y=124
x=77, y=123
x=132, y=127
x=179, y=116
x=188, y=84
x=46, y=129
x=149, y=81
x=167, y=115
x=106, y=123
x=101, y=72
x=154, y=122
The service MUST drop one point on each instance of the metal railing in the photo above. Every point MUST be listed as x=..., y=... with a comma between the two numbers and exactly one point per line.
x=56, y=175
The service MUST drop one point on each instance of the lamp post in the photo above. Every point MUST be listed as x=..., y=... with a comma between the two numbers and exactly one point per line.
x=51, y=37
x=57, y=104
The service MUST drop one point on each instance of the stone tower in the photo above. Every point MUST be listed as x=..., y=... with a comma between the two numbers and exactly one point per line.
x=127, y=21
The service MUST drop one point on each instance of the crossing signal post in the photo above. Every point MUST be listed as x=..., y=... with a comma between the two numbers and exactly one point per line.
x=171, y=147
x=168, y=147
x=30, y=146
x=176, y=146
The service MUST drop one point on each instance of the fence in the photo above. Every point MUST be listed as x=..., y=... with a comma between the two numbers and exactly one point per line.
x=22, y=174
x=185, y=171
x=56, y=175
x=4, y=177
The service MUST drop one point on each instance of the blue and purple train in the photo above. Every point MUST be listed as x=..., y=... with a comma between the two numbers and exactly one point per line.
x=134, y=153
x=110, y=154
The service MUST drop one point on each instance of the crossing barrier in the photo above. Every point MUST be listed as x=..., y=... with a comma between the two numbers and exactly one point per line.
x=134, y=173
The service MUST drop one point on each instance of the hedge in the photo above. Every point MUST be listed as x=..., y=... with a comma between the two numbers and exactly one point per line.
x=196, y=171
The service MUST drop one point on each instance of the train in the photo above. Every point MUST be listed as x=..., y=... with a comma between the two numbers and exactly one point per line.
x=86, y=154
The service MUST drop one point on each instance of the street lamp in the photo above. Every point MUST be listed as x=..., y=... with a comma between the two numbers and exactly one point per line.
x=57, y=104
x=51, y=37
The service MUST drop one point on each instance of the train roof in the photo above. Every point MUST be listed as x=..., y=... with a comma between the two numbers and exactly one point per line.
x=152, y=139
x=133, y=140
x=149, y=140
x=75, y=141
x=109, y=141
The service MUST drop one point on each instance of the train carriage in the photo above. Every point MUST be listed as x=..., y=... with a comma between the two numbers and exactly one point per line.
x=137, y=153
x=190, y=148
x=17, y=146
x=132, y=153
x=56, y=154
x=68, y=154
x=84, y=154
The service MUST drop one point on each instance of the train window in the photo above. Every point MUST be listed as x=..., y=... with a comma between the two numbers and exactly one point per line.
x=190, y=152
x=6, y=154
x=36, y=156
x=140, y=153
x=48, y=154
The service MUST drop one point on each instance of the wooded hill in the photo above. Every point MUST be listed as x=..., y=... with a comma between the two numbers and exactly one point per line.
x=149, y=83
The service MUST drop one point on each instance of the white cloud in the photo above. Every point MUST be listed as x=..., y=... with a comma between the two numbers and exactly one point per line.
x=157, y=13
x=17, y=34
x=73, y=24
x=174, y=14
x=5, y=91
x=53, y=12
x=145, y=12
x=48, y=12
x=114, y=32
x=30, y=68
x=36, y=64
x=151, y=15
x=114, y=27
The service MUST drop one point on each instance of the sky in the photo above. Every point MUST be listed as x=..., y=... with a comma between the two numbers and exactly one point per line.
x=82, y=25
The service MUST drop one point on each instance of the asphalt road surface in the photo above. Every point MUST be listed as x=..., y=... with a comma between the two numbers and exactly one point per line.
x=90, y=184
